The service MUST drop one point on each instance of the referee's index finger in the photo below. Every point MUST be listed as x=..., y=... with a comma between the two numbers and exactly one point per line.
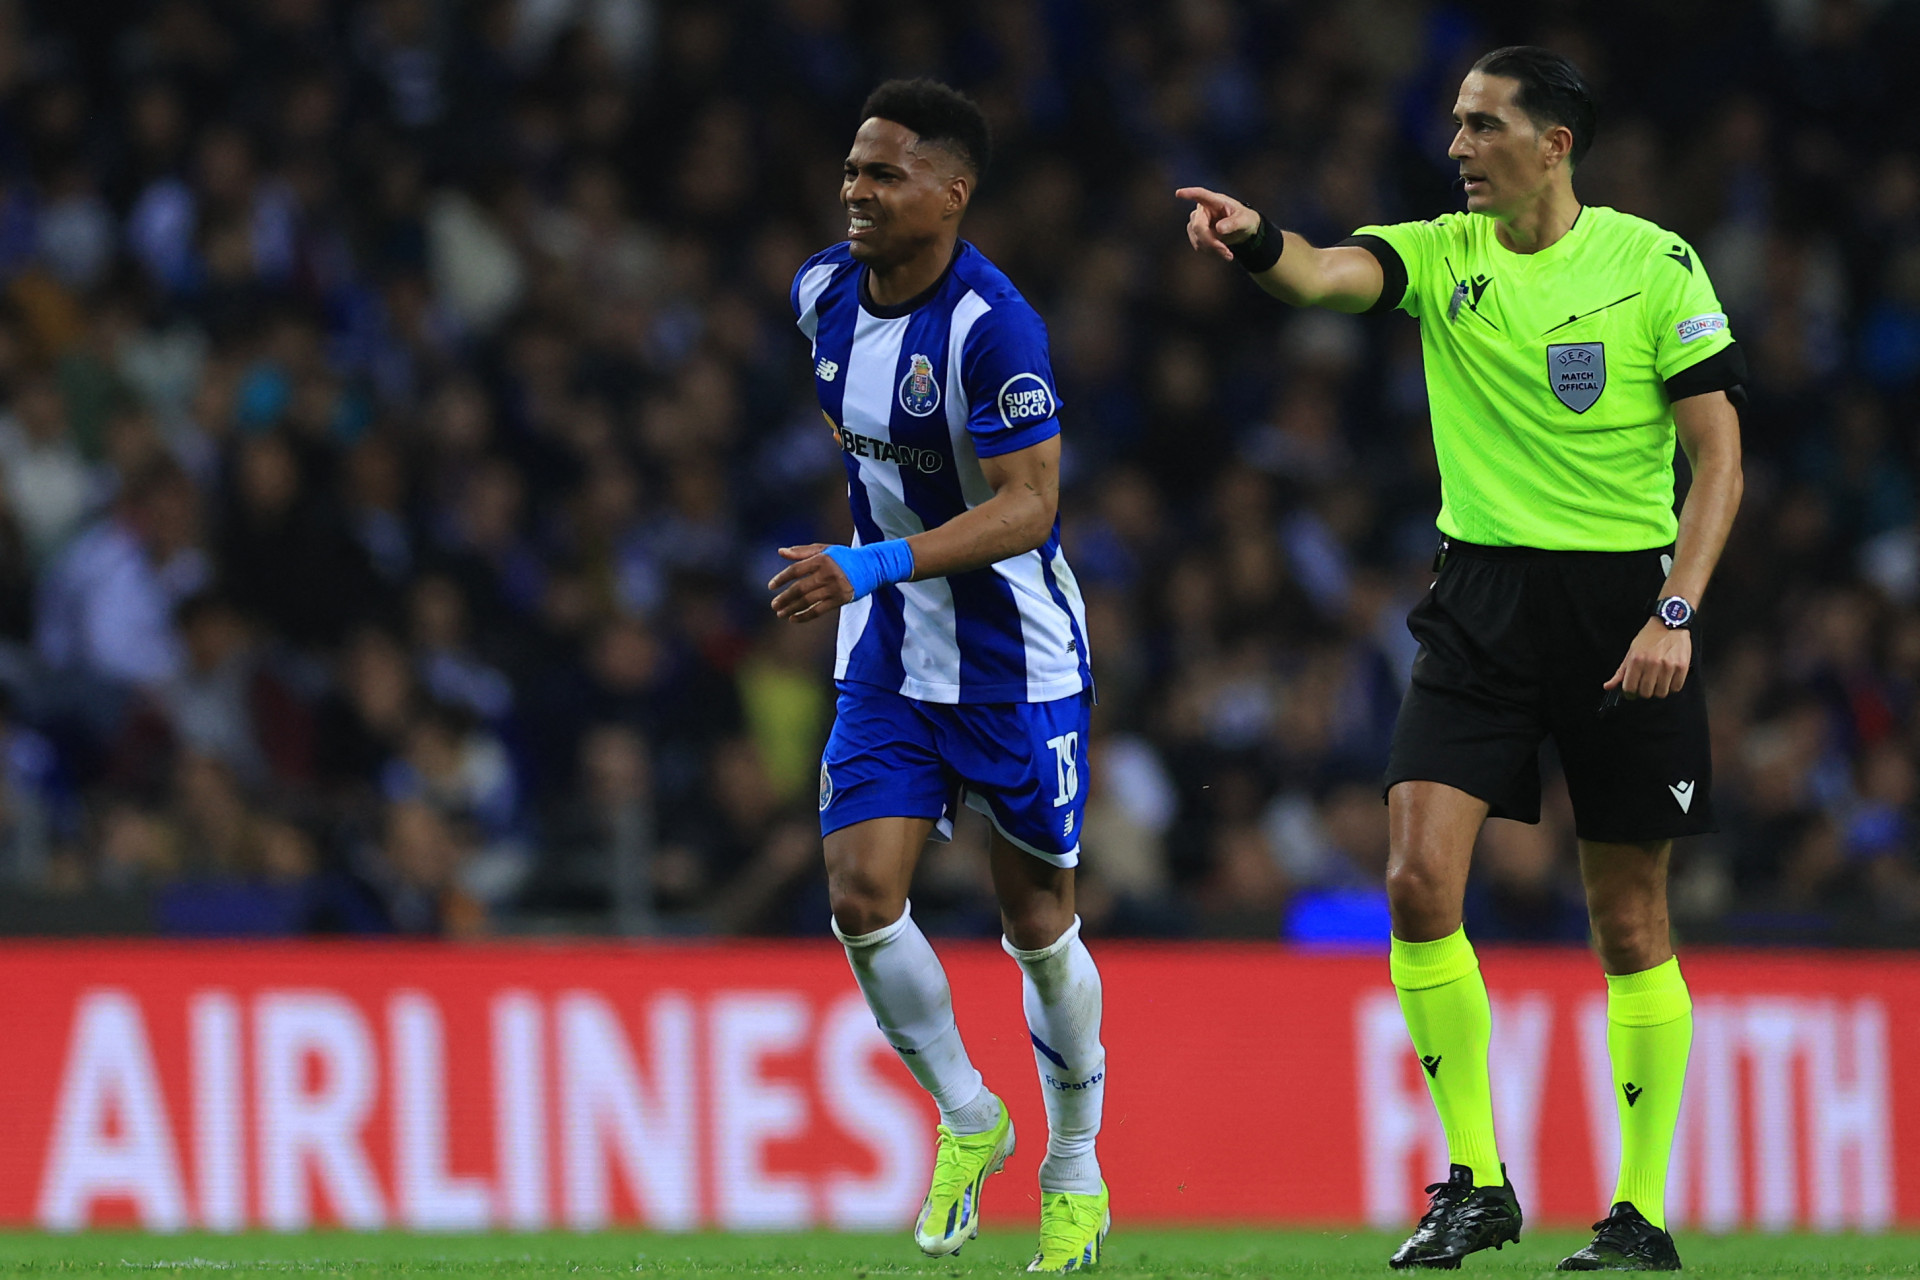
x=1216, y=204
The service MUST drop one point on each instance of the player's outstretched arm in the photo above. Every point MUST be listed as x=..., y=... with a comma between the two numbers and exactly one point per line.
x=1017, y=518
x=1343, y=278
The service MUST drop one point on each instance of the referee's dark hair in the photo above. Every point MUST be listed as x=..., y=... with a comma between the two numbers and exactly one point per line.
x=1552, y=91
x=942, y=116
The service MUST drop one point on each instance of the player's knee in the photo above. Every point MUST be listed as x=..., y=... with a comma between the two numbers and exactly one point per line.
x=861, y=904
x=1037, y=925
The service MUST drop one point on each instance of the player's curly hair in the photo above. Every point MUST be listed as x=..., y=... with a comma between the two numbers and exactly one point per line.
x=1552, y=91
x=941, y=115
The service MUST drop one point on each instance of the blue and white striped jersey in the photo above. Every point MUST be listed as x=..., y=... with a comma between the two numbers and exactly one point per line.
x=917, y=395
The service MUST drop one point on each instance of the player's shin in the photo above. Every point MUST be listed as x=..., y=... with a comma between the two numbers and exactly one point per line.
x=1649, y=1035
x=1061, y=994
x=907, y=990
x=1451, y=1022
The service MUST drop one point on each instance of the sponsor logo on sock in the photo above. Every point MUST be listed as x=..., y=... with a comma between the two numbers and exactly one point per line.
x=911, y=1053
x=1633, y=1092
x=1432, y=1063
x=1048, y=1050
x=1683, y=794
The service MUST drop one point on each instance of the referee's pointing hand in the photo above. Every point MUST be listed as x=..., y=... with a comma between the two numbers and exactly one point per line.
x=1218, y=222
x=1656, y=663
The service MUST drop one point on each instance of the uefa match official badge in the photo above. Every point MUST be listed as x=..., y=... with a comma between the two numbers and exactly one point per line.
x=919, y=393
x=1577, y=372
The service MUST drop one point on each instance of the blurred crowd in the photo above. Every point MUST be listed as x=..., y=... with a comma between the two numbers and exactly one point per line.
x=400, y=407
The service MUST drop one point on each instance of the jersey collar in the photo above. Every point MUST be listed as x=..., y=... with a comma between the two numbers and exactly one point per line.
x=917, y=301
x=1555, y=250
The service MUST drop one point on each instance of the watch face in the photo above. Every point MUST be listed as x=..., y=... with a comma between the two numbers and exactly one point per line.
x=1675, y=612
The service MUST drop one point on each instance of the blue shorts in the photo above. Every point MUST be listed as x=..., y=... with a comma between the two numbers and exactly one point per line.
x=1019, y=763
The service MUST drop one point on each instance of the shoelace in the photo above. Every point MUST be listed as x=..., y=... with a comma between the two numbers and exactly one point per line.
x=1444, y=1195
x=1617, y=1231
x=948, y=1175
x=1061, y=1232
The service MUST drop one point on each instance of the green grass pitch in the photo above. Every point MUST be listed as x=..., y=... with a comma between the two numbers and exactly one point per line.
x=1137, y=1253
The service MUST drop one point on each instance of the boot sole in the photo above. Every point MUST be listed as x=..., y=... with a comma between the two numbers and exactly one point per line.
x=1453, y=1263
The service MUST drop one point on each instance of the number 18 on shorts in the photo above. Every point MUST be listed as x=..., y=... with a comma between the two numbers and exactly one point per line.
x=1022, y=764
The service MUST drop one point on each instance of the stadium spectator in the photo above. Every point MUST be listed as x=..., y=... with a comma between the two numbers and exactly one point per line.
x=106, y=605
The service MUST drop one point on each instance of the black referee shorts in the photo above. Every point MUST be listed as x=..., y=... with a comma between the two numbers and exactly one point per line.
x=1514, y=645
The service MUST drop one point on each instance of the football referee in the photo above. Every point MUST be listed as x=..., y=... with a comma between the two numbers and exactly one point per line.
x=1565, y=348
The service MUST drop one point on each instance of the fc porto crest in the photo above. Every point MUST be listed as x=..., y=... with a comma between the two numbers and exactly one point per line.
x=826, y=787
x=919, y=393
x=1577, y=372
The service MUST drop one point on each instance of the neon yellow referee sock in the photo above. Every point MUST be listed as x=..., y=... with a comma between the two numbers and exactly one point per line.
x=1649, y=1033
x=1445, y=1004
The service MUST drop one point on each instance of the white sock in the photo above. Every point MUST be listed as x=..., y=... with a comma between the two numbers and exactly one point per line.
x=1061, y=993
x=907, y=990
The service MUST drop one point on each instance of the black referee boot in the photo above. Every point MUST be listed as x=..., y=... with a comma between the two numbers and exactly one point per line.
x=1625, y=1241
x=1461, y=1219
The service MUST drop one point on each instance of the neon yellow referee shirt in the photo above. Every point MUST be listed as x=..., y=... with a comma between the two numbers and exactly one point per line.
x=1551, y=375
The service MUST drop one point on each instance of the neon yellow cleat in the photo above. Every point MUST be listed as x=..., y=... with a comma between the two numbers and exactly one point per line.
x=961, y=1162
x=1072, y=1230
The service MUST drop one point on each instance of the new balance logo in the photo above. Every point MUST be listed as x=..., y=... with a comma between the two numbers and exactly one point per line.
x=826, y=371
x=1432, y=1063
x=1633, y=1092
x=1682, y=795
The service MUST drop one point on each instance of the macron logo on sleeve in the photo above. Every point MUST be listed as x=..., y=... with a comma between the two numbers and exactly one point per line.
x=1025, y=398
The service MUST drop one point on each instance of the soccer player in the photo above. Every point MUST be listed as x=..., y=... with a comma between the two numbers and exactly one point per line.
x=1565, y=347
x=962, y=664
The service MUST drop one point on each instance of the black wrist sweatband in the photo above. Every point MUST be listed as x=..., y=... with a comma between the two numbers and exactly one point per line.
x=1260, y=250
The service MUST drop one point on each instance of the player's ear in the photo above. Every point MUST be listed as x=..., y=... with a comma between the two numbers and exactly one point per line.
x=959, y=191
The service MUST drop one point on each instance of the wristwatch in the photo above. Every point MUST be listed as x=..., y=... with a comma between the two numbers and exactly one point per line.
x=1674, y=612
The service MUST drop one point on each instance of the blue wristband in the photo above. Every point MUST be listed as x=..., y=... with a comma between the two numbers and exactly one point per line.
x=874, y=566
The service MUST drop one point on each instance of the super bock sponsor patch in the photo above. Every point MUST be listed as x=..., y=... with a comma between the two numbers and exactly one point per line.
x=1700, y=326
x=1025, y=398
x=1577, y=373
